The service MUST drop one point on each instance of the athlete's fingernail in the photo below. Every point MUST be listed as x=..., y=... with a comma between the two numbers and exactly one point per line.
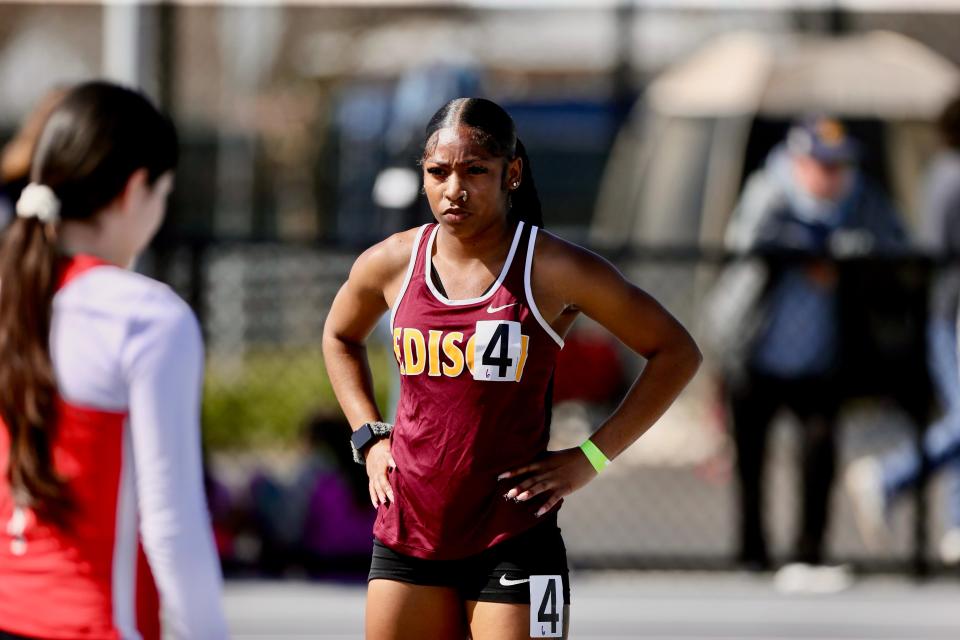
x=523, y=496
x=512, y=493
x=541, y=512
x=505, y=474
x=390, y=495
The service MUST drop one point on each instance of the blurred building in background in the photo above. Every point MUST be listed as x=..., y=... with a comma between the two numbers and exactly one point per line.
x=301, y=124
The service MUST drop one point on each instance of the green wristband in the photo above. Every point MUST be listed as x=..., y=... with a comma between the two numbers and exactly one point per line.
x=594, y=455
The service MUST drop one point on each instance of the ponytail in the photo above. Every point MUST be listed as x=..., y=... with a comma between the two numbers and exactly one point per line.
x=28, y=259
x=525, y=201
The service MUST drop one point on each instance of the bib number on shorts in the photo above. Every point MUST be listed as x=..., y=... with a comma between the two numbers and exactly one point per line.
x=546, y=607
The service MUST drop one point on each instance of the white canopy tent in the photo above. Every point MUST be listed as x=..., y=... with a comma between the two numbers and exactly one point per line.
x=878, y=74
x=675, y=172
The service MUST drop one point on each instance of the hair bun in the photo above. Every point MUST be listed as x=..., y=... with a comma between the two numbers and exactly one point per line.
x=39, y=201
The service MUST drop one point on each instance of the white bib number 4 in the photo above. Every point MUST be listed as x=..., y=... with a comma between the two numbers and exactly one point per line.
x=498, y=349
x=546, y=607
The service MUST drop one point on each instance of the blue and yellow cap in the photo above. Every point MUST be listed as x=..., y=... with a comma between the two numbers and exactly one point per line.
x=825, y=139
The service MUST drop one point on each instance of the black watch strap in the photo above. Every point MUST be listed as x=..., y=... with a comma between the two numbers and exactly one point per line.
x=366, y=435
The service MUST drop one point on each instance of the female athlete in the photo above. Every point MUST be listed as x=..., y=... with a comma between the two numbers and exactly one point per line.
x=101, y=496
x=466, y=538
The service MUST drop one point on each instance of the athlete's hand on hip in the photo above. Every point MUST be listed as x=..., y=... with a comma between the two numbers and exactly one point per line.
x=558, y=475
x=379, y=460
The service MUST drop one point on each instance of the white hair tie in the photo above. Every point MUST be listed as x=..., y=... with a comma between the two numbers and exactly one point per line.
x=39, y=201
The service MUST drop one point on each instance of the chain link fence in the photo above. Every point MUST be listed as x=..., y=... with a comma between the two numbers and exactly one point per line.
x=668, y=502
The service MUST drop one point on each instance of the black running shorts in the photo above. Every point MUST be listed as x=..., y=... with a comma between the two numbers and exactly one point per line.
x=499, y=574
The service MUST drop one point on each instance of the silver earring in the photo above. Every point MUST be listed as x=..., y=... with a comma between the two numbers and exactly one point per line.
x=516, y=183
x=464, y=195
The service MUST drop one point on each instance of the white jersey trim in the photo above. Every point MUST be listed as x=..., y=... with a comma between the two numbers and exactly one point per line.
x=409, y=275
x=528, y=289
x=493, y=288
x=125, y=547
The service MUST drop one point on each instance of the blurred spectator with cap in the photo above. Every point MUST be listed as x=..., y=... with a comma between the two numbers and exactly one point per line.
x=809, y=199
x=874, y=483
x=17, y=154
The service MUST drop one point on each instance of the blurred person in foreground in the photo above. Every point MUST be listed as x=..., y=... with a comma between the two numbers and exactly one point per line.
x=811, y=200
x=874, y=483
x=15, y=156
x=102, y=513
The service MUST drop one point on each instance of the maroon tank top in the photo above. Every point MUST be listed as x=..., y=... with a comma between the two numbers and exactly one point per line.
x=474, y=377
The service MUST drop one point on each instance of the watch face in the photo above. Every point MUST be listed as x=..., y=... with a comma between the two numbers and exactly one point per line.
x=362, y=437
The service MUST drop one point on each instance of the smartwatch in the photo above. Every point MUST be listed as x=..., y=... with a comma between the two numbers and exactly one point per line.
x=366, y=435
x=363, y=437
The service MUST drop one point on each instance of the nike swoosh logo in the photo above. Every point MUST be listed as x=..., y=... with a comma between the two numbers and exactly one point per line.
x=495, y=309
x=506, y=582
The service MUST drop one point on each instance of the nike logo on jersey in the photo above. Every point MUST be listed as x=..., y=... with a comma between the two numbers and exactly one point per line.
x=495, y=309
x=506, y=582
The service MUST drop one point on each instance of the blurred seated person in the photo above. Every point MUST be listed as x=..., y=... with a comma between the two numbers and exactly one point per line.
x=337, y=534
x=222, y=516
x=811, y=199
x=875, y=483
x=322, y=519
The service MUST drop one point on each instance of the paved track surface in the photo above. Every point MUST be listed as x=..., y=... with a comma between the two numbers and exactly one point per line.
x=622, y=605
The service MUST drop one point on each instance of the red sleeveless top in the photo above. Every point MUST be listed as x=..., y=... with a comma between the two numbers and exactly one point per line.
x=57, y=583
x=474, y=378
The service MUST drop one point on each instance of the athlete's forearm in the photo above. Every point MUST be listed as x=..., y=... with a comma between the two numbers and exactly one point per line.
x=349, y=371
x=662, y=380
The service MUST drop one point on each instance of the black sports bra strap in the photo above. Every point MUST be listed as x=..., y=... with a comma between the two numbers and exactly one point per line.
x=438, y=283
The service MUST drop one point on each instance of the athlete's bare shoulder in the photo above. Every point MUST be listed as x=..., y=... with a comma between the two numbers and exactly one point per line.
x=384, y=263
x=559, y=252
x=563, y=269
